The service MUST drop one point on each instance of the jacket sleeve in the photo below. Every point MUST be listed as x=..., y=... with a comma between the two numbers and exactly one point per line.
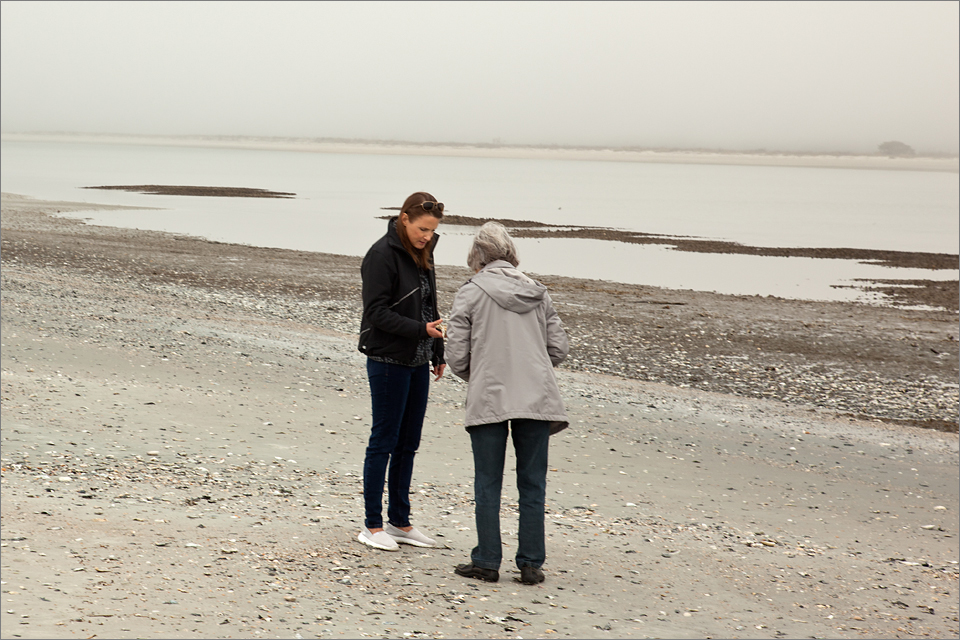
x=557, y=345
x=379, y=279
x=459, y=327
x=438, y=343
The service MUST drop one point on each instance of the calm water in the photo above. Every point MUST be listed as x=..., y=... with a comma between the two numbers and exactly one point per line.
x=339, y=197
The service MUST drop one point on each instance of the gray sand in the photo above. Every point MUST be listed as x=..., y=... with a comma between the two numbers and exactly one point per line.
x=183, y=460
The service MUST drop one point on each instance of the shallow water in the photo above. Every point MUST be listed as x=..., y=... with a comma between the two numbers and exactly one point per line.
x=339, y=200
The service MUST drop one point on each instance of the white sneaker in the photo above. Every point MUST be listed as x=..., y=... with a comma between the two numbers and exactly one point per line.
x=378, y=540
x=413, y=536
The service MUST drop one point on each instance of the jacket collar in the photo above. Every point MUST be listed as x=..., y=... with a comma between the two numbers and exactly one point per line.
x=393, y=236
x=498, y=264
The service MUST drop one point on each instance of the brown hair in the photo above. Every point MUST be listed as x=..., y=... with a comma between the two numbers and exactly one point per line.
x=413, y=207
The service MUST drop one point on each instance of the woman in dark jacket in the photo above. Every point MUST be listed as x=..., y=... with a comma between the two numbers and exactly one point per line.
x=400, y=335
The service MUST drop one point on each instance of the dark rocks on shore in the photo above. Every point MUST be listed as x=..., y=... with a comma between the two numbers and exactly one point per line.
x=903, y=259
x=932, y=293
x=218, y=192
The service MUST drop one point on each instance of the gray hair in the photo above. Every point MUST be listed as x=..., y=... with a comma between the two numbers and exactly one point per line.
x=492, y=243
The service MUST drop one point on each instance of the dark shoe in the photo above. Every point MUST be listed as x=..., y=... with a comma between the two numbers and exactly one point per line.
x=470, y=571
x=530, y=575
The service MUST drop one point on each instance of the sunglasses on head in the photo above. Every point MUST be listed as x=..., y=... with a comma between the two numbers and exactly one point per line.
x=429, y=205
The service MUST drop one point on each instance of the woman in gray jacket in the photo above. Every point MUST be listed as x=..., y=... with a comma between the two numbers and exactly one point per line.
x=504, y=337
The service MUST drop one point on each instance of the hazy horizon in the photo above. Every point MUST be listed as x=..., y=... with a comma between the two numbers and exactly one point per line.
x=780, y=76
x=446, y=143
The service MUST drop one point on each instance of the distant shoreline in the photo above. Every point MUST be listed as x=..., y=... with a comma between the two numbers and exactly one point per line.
x=379, y=147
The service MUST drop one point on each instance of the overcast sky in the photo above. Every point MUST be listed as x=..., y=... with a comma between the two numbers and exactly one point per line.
x=817, y=76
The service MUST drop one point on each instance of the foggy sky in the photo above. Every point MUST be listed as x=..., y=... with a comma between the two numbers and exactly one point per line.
x=820, y=76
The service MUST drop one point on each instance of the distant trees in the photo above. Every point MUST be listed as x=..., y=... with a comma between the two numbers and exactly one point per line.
x=896, y=149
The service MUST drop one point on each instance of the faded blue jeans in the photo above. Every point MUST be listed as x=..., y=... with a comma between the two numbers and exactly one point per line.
x=530, y=442
x=399, y=400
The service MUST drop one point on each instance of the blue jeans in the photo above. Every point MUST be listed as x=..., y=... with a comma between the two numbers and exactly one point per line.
x=399, y=398
x=530, y=442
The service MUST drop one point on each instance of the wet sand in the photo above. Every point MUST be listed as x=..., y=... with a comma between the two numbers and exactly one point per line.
x=184, y=424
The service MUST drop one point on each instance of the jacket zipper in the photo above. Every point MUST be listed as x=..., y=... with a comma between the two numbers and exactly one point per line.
x=404, y=298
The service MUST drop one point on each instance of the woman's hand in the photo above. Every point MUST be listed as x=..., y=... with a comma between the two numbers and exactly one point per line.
x=434, y=330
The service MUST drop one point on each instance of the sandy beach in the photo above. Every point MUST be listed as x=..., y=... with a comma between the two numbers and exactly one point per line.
x=184, y=422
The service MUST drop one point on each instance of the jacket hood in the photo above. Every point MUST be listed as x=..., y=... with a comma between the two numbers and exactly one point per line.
x=509, y=287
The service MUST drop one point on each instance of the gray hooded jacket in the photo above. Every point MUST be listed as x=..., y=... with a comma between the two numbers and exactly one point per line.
x=504, y=337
